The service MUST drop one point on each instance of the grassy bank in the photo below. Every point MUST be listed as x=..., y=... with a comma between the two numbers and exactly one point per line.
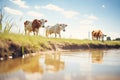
x=17, y=44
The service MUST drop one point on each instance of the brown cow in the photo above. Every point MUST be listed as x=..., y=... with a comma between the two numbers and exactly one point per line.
x=97, y=34
x=34, y=26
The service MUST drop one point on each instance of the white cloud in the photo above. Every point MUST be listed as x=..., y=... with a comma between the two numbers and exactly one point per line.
x=103, y=6
x=20, y=3
x=13, y=11
x=86, y=21
x=92, y=17
x=53, y=7
x=35, y=14
x=89, y=19
x=67, y=14
x=37, y=7
x=70, y=14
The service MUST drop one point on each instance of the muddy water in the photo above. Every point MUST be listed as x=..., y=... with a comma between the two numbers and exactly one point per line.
x=75, y=65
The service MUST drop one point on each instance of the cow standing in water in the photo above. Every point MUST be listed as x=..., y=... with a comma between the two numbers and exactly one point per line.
x=56, y=29
x=34, y=26
x=97, y=34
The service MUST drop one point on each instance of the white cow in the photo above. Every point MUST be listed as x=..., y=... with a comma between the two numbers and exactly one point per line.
x=56, y=29
x=34, y=26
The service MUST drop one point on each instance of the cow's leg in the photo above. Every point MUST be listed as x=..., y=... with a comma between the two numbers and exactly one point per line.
x=25, y=31
x=55, y=35
x=92, y=37
x=28, y=32
x=37, y=33
x=102, y=38
x=34, y=32
x=59, y=35
x=97, y=37
x=46, y=34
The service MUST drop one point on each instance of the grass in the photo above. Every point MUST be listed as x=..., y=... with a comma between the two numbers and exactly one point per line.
x=17, y=43
x=39, y=43
x=0, y=27
x=33, y=41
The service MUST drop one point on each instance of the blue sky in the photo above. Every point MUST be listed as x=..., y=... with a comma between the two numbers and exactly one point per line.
x=81, y=16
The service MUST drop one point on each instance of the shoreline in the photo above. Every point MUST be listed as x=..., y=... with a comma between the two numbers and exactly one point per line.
x=10, y=48
x=17, y=45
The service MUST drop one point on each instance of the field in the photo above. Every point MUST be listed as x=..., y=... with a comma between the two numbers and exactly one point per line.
x=18, y=44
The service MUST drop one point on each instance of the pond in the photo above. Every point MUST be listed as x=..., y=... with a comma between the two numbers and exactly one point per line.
x=73, y=65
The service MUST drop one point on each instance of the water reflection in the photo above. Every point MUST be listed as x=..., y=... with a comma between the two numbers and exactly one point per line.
x=84, y=65
x=97, y=56
x=17, y=75
x=28, y=64
x=33, y=65
x=53, y=62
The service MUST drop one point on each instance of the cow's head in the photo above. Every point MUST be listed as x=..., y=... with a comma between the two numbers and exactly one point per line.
x=26, y=22
x=43, y=21
x=62, y=26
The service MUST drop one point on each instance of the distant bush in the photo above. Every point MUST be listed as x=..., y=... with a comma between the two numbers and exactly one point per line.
x=108, y=38
x=117, y=39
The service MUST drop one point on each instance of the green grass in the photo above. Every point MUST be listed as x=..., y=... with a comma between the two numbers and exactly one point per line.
x=0, y=27
x=34, y=41
x=23, y=43
x=43, y=43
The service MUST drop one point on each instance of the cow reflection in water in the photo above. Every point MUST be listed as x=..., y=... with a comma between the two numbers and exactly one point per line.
x=97, y=56
x=28, y=64
x=53, y=62
x=17, y=69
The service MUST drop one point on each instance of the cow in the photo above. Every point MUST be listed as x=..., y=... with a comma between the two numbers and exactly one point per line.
x=56, y=29
x=34, y=25
x=97, y=34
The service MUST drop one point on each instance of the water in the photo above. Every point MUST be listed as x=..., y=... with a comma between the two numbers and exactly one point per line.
x=75, y=65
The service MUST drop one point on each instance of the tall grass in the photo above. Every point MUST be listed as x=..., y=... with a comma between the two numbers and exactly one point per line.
x=6, y=21
x=1, y=21
x=8, y=27
x=0, y=27
x=9, y=22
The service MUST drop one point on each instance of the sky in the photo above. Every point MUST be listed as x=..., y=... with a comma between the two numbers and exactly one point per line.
x=81, y=16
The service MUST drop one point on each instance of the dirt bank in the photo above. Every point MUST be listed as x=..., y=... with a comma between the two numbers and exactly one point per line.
x=11, y=48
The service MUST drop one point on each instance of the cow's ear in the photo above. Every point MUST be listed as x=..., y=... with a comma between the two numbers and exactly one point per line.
x=26, y=22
